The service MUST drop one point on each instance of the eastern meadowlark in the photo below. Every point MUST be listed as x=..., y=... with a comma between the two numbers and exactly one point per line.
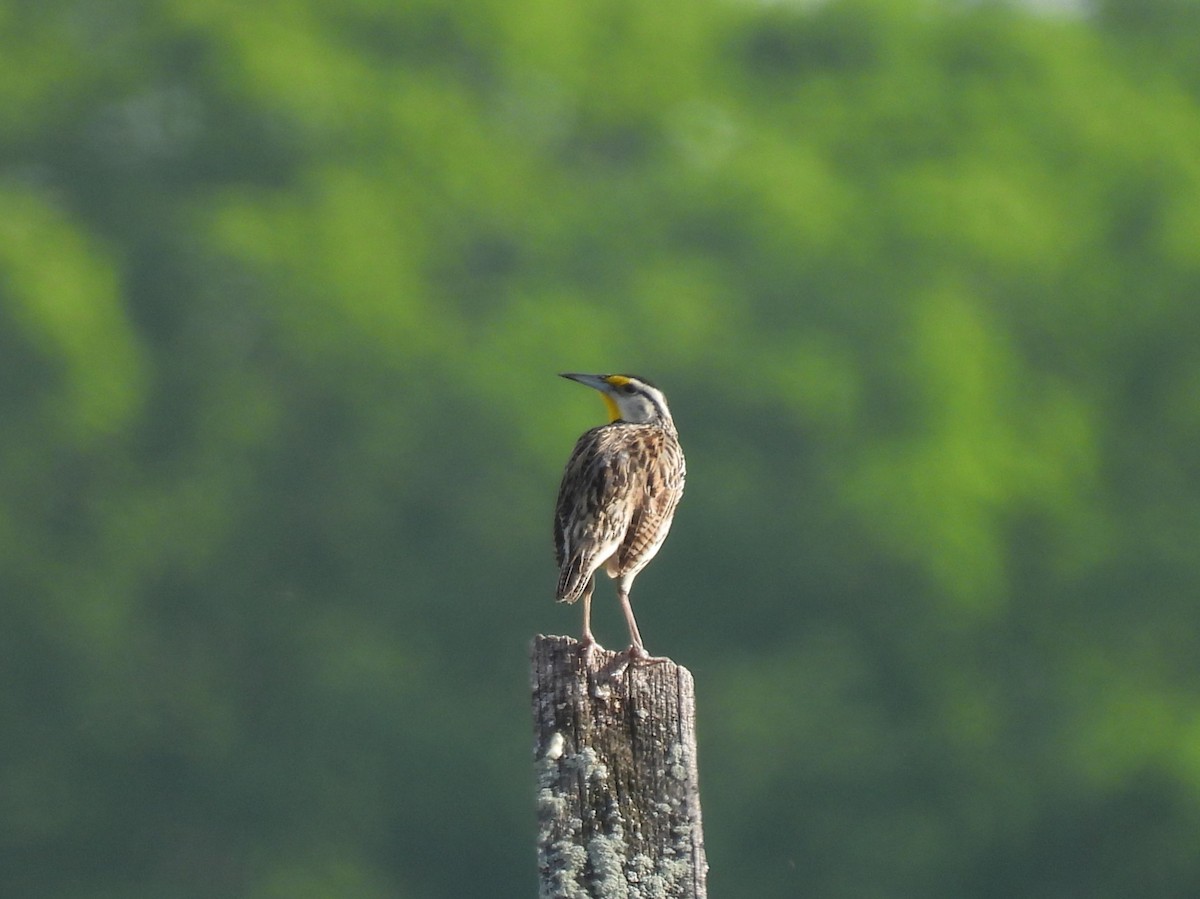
x=618, y=496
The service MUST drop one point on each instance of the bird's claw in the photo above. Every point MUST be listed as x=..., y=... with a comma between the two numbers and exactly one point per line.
x=637, y=653
x=587, y=646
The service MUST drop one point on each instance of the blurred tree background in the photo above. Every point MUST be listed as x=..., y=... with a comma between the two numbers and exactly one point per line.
x=283, y=290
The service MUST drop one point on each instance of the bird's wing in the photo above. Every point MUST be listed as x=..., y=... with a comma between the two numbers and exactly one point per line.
x=659, y=485
x=591, y=516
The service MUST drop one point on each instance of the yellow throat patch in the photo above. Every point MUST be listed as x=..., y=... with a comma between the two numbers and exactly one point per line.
x=616, y=381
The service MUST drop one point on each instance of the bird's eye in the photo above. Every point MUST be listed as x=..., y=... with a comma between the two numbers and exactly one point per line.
x=628, y=388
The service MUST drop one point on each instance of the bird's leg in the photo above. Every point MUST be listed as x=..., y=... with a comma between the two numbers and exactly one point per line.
x=634, y=635
x=588, y=638
x=637, y=650
x=588, y=641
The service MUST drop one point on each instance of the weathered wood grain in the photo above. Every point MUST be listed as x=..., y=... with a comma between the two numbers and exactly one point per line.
x=618, y=793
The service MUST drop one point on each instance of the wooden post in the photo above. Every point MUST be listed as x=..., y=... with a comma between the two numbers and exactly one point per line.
x=618, y=800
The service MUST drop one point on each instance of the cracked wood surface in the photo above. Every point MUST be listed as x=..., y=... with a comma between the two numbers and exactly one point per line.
x=618, y=795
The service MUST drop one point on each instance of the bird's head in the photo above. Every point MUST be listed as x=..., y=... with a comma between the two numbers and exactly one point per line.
x=629, y=398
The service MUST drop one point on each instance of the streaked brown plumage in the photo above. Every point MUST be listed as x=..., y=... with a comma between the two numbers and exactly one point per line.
x=618, y=495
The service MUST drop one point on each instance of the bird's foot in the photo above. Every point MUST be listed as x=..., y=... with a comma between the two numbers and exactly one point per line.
x=587, y=646
x=636, y=653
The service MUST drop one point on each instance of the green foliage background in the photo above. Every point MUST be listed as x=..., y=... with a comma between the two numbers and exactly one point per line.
x=283, y=289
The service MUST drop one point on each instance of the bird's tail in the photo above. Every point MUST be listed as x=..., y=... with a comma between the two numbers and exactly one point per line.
x=573, y=579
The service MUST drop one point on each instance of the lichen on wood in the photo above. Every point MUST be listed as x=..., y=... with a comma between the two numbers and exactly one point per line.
x=615, y=757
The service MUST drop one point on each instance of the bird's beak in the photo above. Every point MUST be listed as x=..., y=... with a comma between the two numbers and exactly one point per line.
x=599, y=383
x=594, y=381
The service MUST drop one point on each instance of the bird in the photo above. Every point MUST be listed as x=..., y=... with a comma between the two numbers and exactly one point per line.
x=618, y=496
